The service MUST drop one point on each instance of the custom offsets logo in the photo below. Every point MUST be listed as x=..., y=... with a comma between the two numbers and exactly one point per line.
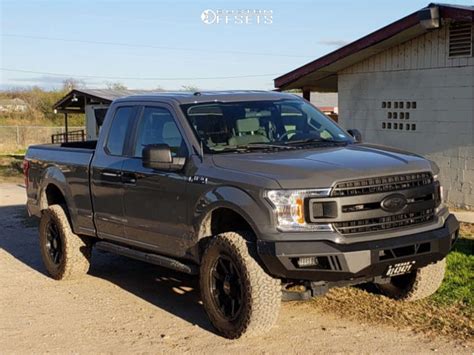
x=237, y=17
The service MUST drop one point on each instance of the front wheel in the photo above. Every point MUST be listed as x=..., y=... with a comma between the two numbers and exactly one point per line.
x=238, y=295
x=416, y=285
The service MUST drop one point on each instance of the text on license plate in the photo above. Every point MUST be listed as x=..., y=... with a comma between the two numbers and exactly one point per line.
x=400, y=268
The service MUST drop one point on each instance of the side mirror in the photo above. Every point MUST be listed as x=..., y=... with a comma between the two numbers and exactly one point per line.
x=158, y=156
x=356, y=134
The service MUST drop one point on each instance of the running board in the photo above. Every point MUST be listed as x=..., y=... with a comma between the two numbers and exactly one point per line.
x=155, y=259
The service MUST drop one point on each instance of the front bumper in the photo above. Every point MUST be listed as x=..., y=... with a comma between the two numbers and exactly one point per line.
x=357, y=261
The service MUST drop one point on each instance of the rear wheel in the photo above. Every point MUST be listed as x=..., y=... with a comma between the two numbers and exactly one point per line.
x=238, y=295
x=416, y=285
x=65, y=254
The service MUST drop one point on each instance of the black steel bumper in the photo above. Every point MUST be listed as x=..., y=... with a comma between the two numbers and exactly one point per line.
x=351, y=262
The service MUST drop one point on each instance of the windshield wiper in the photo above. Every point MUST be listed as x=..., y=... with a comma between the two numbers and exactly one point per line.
x=255, y=146
x=316, y=140
x=266, y=145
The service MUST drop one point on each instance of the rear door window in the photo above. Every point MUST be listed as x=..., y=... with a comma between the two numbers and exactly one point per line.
x=121, y=124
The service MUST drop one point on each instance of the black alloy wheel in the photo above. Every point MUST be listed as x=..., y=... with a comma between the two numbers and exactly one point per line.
x=226, y=286
x=54, y=244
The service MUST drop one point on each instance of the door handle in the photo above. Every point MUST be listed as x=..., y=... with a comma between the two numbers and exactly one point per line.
x=110, y=177
x=129, y=178
x=109, y=174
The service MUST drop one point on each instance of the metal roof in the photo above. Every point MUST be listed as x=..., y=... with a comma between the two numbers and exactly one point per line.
x=321, y=74
x=76, y=100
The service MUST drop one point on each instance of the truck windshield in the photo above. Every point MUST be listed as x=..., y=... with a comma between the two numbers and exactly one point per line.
x=252, y=125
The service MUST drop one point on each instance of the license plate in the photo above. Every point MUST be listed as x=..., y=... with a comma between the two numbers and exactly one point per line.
x=400, y=268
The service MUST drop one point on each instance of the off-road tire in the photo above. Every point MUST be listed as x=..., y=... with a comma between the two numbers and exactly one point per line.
x=417, y=285
x=261, y=299
x=75, y=251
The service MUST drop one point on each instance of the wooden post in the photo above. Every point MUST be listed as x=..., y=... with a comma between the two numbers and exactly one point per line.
x=65, y=127
x=307, y=94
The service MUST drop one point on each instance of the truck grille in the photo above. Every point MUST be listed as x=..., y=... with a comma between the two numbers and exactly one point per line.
x=378, y=204
x=381, y=184
x=384, y=223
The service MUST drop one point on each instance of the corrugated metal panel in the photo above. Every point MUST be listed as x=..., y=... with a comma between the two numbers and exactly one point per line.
x=430, y=50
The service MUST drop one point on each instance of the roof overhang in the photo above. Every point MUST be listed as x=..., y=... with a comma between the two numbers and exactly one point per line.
x=321, y=74
x=76, y=101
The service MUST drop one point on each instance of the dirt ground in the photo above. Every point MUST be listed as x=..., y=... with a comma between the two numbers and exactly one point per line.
x=125, y=306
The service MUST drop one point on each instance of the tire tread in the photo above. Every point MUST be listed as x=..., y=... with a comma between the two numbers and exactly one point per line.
x=427, y=281
x=263, y=291
x=76, y=250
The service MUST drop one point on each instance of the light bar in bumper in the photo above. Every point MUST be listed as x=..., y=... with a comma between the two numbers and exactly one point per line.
x=364, y=260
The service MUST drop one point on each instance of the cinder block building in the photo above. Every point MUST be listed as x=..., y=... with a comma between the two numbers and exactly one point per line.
x=408, y=85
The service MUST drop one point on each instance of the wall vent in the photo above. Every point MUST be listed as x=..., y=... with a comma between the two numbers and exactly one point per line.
x=460, y=39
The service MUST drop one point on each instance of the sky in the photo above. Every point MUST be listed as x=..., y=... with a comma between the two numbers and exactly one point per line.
x=149, y=44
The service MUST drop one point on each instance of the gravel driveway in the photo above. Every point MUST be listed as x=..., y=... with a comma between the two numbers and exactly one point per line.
x=128, y=306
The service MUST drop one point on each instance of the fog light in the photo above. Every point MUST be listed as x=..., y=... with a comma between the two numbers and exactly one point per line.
x=307, y=261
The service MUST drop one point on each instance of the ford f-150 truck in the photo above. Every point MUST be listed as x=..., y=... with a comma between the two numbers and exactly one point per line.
x=258, y=193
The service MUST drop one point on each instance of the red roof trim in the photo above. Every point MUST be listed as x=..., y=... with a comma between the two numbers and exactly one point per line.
x=446, y=11
x=457, y=13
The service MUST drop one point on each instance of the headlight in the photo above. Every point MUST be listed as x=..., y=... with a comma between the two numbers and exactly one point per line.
x=290, y=210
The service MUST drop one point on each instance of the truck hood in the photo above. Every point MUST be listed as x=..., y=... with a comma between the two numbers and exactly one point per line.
x=321, y=167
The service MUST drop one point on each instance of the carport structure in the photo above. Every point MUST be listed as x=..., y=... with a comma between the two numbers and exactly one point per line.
x=91, y=102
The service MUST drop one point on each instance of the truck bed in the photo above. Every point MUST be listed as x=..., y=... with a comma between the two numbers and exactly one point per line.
x=68, y=163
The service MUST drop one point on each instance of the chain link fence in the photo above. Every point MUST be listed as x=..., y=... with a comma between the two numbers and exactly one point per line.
x=15, y=138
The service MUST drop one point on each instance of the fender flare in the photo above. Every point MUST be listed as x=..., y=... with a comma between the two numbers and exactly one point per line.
x=229, y=197
x=52, y=175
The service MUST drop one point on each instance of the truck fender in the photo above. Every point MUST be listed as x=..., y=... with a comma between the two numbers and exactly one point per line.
x=228, y=197
x=52, y=175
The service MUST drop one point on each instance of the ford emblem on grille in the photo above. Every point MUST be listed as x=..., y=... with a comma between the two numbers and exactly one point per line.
x=393, y=203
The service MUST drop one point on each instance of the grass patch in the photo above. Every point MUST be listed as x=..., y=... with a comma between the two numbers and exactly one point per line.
x=458, y=285
x=449, y=312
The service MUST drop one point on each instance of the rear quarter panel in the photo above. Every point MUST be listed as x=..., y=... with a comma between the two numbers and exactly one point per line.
x=68, y=170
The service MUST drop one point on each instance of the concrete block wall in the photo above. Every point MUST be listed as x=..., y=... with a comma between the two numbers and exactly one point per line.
x=444, y=118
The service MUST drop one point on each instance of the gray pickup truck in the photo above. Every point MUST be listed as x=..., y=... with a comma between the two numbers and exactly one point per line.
x=258, y=193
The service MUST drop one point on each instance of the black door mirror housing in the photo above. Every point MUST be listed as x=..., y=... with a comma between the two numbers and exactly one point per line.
x=356, y=134
x=158, y=156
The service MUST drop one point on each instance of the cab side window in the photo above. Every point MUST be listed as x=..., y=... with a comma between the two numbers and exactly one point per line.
x=157, y=126
x=118, y=130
